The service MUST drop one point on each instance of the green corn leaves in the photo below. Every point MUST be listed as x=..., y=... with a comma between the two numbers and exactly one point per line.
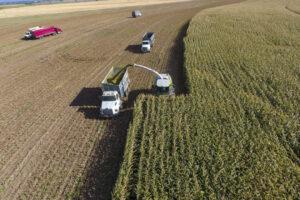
x=236, y=134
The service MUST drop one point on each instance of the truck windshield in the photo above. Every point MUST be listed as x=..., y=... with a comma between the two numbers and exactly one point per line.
x=108, y=98
x=145, y=42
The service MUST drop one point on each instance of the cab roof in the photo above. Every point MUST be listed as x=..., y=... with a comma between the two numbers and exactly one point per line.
x=109, y=93
x=165, y=81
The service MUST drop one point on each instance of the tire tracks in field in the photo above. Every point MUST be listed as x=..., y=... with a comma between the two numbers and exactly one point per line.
x=29, y=155
x=25, y=70
x=292, y=11
x=32, y=86
x=21, y=149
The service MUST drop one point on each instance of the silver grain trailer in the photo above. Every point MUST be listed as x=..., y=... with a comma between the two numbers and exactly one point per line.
x=136, y=13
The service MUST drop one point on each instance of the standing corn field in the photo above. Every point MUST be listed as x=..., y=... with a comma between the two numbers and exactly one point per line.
x=236, y=134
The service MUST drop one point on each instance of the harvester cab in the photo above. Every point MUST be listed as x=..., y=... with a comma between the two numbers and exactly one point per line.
x=162, y=85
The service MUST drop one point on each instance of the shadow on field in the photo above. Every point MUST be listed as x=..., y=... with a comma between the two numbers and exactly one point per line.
x=90, y=112
x=136, y=48
x=175, y=62
x=88, y=97
x=133, y=96
x=103, y=167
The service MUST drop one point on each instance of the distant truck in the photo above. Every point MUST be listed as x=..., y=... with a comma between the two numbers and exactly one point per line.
x=148, y=41
x=39, y=32
x=136, y=13
x=113, y=92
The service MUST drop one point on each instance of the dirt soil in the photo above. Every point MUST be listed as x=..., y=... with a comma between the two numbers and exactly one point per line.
x=52, y=143
x=52, y=8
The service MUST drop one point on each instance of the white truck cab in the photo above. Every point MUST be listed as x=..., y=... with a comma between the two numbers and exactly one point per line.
x=28, y=34
x=146, y=46
x=111, y=104
x=147, y=42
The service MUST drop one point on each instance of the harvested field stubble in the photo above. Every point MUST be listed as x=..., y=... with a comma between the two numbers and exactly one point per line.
x=236, y=134
x=23, y=11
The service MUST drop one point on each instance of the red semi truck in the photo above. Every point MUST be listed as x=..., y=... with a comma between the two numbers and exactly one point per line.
x=39, y=32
